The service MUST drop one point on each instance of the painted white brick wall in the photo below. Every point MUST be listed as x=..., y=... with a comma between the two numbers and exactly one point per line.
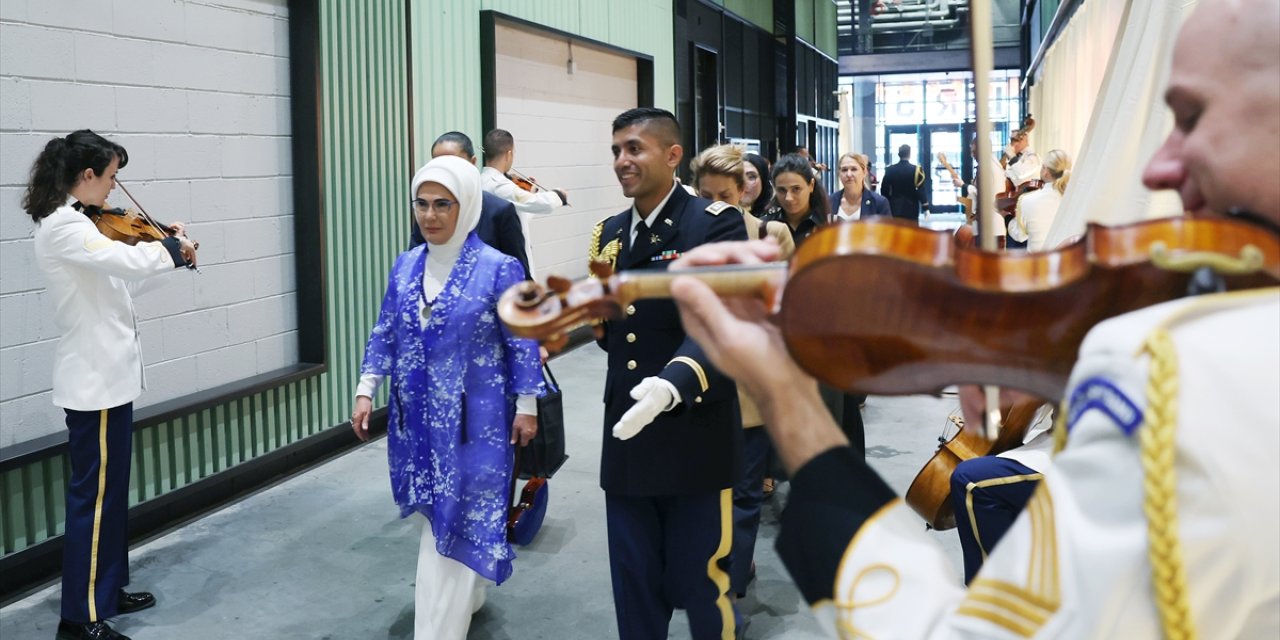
x=198, y=92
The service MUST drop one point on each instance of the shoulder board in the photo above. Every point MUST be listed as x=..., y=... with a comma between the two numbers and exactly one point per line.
x=716, y=208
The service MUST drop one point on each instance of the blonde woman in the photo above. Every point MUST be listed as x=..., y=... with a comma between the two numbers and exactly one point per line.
x=854, y=200
x=1037, y=209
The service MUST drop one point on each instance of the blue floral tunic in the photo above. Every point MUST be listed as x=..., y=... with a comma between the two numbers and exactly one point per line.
x=452, y=401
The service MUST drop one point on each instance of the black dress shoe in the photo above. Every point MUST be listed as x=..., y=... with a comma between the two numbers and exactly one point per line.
x=137, y=601
x=87, y=631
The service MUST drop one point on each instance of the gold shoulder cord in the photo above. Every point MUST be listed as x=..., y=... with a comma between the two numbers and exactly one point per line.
x=1158, y=448
x=608, y=253
x=1160, y=485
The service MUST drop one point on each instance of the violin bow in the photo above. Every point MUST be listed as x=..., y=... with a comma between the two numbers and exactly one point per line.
x=151, y=221
x=983, y=58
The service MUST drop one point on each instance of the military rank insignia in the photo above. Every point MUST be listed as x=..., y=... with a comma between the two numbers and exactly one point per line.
x=1098, y=394
x=716, y=208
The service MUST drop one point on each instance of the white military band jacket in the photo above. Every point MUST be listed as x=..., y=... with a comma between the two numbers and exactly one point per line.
x=92, y=279
x=1159, y=518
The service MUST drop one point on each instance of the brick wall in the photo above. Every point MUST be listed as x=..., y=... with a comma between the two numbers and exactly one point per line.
x=198, y=92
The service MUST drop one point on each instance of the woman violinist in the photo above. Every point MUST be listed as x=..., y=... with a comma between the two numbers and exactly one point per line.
x=97, y=369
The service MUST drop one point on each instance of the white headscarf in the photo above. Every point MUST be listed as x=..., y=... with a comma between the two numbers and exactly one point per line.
x=462, y=179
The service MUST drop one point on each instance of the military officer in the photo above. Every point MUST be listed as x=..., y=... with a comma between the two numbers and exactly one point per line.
x=673, y=440
x=1159, y=518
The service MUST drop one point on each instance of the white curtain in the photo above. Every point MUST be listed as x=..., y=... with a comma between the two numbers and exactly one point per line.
x=1127, y=118
x=1071, y=75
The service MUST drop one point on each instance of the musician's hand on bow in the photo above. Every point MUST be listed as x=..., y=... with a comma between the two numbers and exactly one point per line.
x=735, y=332
x=741, y=341
x=188, y=250
x=653, y=396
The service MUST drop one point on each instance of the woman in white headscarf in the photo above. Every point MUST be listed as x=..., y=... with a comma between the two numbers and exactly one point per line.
x=463, y=392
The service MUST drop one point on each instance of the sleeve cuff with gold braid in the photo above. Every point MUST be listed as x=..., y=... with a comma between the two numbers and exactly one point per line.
x=688, y=376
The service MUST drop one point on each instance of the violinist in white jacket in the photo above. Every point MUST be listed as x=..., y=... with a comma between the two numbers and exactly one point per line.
x=97, y=371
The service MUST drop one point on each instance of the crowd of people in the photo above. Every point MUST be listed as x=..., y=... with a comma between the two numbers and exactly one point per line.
x=701, y=394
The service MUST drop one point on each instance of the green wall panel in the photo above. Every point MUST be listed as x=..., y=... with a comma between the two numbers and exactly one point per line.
x=758, y=12
x=824, y=28
x=804, y=19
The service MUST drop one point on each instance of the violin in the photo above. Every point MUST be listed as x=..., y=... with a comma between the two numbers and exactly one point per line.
x=525, y=182
x=954, y=314
x=532, y=186
x=130, y=226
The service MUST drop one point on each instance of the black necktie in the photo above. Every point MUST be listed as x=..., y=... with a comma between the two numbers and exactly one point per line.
x=642, y=242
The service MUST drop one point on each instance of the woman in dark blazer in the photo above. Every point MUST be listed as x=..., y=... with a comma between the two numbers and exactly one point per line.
x=855, y=201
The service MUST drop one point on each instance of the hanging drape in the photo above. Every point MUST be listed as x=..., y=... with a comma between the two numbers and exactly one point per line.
x=1127, y=119
x=1071, y=75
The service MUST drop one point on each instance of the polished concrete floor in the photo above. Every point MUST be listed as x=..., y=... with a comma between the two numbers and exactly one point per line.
x=323, y=554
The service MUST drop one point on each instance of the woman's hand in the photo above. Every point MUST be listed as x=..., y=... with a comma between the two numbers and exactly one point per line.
x=523, y=429
x=188, y=250
x=360, y=417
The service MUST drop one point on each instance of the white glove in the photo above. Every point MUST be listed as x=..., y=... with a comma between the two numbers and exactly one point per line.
x=1009, y=152
x=653, y=396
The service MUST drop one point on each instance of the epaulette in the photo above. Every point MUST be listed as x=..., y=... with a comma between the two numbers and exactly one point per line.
x=607, y=253
x=716, y=208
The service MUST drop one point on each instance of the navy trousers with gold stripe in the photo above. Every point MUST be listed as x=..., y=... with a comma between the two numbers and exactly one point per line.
x=671, y=552
x=988, y=493
x=95, y=555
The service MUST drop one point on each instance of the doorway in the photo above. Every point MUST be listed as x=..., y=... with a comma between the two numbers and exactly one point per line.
x=706, y=99
x=927, y=141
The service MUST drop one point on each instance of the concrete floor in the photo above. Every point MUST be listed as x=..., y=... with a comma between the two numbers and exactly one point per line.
x=323, y=554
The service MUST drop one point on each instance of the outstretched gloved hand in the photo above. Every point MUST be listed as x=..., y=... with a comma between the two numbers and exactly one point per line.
x=653, y=396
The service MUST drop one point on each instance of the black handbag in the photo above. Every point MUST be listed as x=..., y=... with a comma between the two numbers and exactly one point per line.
x=544, y=455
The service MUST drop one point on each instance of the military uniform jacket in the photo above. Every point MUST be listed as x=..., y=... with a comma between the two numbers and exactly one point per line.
x=1158, y=519
x=696, y=446
x=904, y=186
x=93, y=279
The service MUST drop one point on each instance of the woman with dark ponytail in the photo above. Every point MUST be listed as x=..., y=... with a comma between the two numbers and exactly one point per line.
x=97, y=369
x=798, y=197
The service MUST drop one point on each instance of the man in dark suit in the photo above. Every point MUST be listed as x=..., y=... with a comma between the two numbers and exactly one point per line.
x=499, y=225
x=905, y=185
x=673, y=441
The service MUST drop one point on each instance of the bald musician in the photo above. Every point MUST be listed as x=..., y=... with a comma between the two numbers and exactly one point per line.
x=1178, y=397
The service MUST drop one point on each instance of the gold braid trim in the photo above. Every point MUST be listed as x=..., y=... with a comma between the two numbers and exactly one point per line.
x=1164, y=550
x=608, y=253
x=1060, y=428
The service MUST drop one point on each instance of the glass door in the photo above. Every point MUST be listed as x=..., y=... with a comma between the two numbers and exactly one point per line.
x=944, y=141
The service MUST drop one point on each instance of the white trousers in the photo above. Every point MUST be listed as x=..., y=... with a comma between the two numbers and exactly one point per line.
x=446, y=595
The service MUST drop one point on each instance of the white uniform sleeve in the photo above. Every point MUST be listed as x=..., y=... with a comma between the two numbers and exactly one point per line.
x=84, y=246
x=524, y=201
x=1026, y=168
